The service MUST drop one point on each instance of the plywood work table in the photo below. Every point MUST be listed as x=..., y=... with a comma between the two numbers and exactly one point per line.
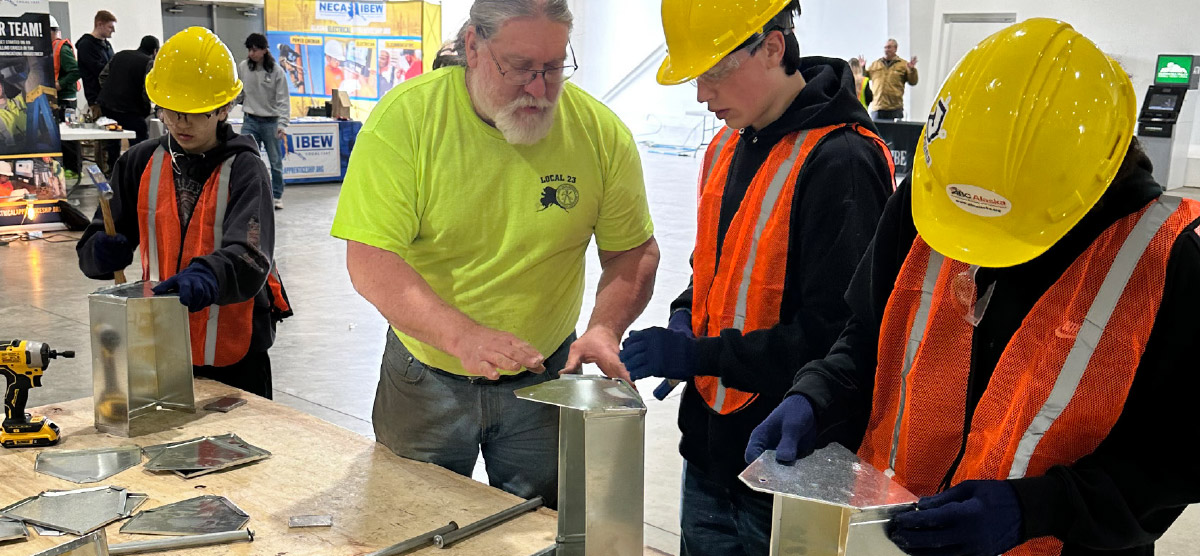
x=375, y=497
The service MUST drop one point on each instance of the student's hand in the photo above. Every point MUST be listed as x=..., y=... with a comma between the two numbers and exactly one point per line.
x=112, y=253
x=280, y=133
x=976, y=518
x=660, y=352
x=790, y=430
x=484, y=351
x=196, y=284
x=600, y=346
x=862, y=61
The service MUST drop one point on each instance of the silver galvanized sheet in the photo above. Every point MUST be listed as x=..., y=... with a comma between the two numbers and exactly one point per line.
x=12, y=530
x=87, y=466
x=200, y=456
x=195, y=516
x=75, y=511
x=95, y=544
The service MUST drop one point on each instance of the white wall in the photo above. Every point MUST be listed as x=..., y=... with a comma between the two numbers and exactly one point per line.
x=1133, y=35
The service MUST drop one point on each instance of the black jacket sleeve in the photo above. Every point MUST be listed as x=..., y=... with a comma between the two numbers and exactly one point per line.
x=125, y=181
x=839, y=197
x=840, y=385
x=1131, y=489
x=244, y=259
x=92, y=60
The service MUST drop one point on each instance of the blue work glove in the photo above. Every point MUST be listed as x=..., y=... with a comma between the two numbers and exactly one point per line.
x=975, y=518
x=681, y=321
x=790, y=430
x=112, y=253
x=196, y=284
x=659, y=352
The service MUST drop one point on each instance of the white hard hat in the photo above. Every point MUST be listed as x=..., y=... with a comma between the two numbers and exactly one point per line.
x=5, y=168
x=334, y=49
x=53, y=23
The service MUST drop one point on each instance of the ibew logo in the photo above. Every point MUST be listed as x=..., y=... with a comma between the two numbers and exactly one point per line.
x=300, y=145
x=352, y=12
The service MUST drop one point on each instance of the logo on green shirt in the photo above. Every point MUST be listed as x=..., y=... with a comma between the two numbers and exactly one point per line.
x=565, y=196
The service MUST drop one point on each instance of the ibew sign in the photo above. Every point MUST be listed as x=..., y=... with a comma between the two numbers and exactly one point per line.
x=352, y=12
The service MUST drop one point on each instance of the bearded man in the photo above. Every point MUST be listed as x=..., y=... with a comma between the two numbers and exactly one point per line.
x=452, y=235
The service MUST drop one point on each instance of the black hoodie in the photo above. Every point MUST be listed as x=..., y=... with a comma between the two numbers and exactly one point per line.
x=1114, y=502
x=838, y=198
x=246, y=254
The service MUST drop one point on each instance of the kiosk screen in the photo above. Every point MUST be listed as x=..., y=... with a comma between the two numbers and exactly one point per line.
x=1163, y=102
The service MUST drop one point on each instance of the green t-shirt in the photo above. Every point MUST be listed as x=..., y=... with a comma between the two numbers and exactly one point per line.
x=499, y=231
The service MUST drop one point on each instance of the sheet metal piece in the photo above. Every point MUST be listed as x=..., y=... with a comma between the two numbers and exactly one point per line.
x=200, y=456
x=12, y=530
x=46, y=531
x=194, y=516
x=75, y=511
x=134, y=500
x=95, y=544
x=832, y=475
x=87, y=466
x=587, y=393
x=298, y=521
x=177, y=543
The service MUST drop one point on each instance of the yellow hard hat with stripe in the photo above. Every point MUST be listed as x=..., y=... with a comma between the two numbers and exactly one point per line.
x=194, y=72
x=1025, y=136
x=699, y=34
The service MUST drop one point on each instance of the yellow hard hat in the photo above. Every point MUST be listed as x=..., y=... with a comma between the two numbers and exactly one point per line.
x=1025, y=136
x=194, y=72
x=699, y=34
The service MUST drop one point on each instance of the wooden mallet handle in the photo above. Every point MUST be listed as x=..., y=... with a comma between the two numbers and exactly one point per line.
x=110, y=229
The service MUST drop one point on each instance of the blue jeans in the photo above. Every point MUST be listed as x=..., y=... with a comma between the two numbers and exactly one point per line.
x=718, y=520
x=428, y=415
x=263, y=132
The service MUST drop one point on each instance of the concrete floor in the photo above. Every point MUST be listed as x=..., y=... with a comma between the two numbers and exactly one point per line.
x=45, y=299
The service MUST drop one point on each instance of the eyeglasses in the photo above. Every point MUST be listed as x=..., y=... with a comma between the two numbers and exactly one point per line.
x=729, y=64
x=523, y=77
x=171, y=116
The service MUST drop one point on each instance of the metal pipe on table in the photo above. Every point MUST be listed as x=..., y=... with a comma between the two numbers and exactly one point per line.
x=444, y=541
x=415, y=542
x=176, y=543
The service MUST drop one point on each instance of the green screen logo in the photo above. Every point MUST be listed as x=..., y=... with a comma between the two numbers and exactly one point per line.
x=1173, y=70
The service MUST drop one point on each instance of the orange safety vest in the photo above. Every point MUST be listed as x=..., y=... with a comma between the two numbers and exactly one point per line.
x=1059, y=386
x=743, y=289
x=58, y=44
x=163, y=251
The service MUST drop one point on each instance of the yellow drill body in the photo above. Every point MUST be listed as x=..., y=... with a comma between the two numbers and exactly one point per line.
x=22, y=363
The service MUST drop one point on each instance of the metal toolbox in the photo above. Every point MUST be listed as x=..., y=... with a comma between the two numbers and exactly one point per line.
x=601, y=455
x=141, y=357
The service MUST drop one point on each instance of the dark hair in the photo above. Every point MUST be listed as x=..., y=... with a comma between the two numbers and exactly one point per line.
x=1135, y=158
x=783, y=22
x=103, y=16
x=149, y=45
x=259, y=41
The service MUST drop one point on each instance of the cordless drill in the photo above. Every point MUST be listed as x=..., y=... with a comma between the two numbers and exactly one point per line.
x=22, y=363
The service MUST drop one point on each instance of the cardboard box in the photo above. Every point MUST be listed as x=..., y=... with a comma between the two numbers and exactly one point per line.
x=341, y=105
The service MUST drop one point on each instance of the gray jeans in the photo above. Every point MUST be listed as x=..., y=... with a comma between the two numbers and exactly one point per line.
x=428, y=415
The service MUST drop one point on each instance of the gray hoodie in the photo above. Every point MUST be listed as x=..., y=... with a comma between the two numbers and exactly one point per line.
x=264, y=94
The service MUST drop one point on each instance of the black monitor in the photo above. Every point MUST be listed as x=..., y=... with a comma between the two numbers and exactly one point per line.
x=1163, y=102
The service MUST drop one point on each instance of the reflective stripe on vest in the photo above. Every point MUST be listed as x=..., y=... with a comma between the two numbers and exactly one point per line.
x=739, y=283
x=1057, y=389
x=156, y=162
x=210, y=337
x=914, y=343
x=1093, y=326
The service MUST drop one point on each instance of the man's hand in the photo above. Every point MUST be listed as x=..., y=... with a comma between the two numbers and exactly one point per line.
x=862, y=61
x=484, y=352
x=977, y=518
x=94, y=111
x=600, y=346
x=913, y=62
x=790, y=430
x=280, y=133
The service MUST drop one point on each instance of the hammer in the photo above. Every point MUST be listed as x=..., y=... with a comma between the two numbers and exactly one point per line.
x=106, y=193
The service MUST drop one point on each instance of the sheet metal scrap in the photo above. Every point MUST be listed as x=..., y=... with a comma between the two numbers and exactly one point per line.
x=194, y=516
x=87, y=466
x=200, y=456
x=78, y=512
x=12, y=530
x=95, y=544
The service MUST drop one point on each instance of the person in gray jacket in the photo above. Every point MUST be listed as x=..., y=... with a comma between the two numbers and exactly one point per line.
x=266, y=105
